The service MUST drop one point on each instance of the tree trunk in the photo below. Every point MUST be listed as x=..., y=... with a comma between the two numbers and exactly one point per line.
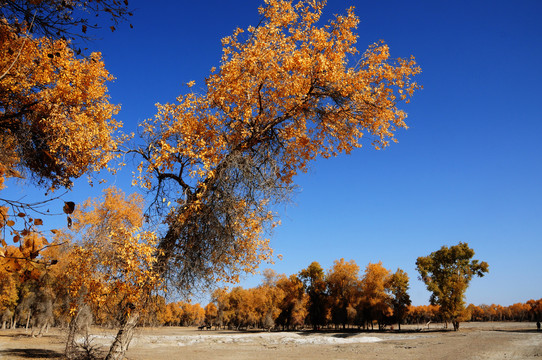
x=123, y=338
x=42, y=328
x=455, y=323
x=71, y=346
x=27, y=321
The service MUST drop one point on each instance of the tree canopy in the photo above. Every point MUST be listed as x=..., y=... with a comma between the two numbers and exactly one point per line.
x=447, y=273
x=285, y=93
x=56, y=121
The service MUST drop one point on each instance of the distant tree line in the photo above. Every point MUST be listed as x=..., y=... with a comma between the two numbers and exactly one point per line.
x=340, y=297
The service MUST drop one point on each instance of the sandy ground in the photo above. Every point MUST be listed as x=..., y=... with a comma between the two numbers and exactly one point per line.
x=474, y=341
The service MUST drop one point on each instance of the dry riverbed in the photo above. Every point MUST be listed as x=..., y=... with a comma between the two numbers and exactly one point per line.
x=493, y=340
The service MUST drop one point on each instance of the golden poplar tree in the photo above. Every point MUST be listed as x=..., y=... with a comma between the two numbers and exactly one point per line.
x=111, y=262
x=400, y=300
x=284, y=94
x=343, y=286
x=447, y=273
x=375, y=300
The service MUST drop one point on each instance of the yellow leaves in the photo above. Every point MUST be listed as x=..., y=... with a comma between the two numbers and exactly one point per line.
x=280, y=99
x=24, y=232
x=32, y=245
x=68, y=104
x=114, y=256
x=11, y=259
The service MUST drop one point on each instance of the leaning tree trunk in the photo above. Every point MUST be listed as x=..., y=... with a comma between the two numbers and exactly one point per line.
x=123, y=338
x=71, y=347
x=27, y=321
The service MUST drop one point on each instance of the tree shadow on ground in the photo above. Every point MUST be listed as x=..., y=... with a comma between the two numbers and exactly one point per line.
x=31, y=353
x=26, y=335
x=354, y=332
x=519, y=331
x=345, y=335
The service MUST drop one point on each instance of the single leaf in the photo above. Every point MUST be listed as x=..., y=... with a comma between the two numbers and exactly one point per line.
x=10, y=223
x=38, y=222
x=16, y=238
x=69, y=207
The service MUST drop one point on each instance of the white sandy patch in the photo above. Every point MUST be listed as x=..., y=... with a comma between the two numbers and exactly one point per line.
x=273, y=338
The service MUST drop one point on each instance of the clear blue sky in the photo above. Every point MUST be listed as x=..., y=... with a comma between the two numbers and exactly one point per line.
x=468, y=169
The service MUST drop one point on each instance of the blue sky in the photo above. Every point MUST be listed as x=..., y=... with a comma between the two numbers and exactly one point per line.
x=468, y=169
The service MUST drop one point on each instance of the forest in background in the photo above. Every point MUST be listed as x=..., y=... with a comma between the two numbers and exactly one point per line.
x=338, y=298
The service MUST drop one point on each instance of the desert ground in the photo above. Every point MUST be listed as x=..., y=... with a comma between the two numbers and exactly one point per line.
x=491, y=340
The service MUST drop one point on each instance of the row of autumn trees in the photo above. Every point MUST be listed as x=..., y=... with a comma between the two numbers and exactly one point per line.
x=282, y=303
x=317, y=298
x=243, y=304
x=216, y=162
x=311, y=298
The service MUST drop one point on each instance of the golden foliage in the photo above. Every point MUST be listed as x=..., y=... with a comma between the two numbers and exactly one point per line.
x=54, y=109
x=374, y=287
x=111, y=264
x=343, y=283
x=284, y=94
x=29, y=242
x=8, y=289
x=292, y=79
x=55, y=120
